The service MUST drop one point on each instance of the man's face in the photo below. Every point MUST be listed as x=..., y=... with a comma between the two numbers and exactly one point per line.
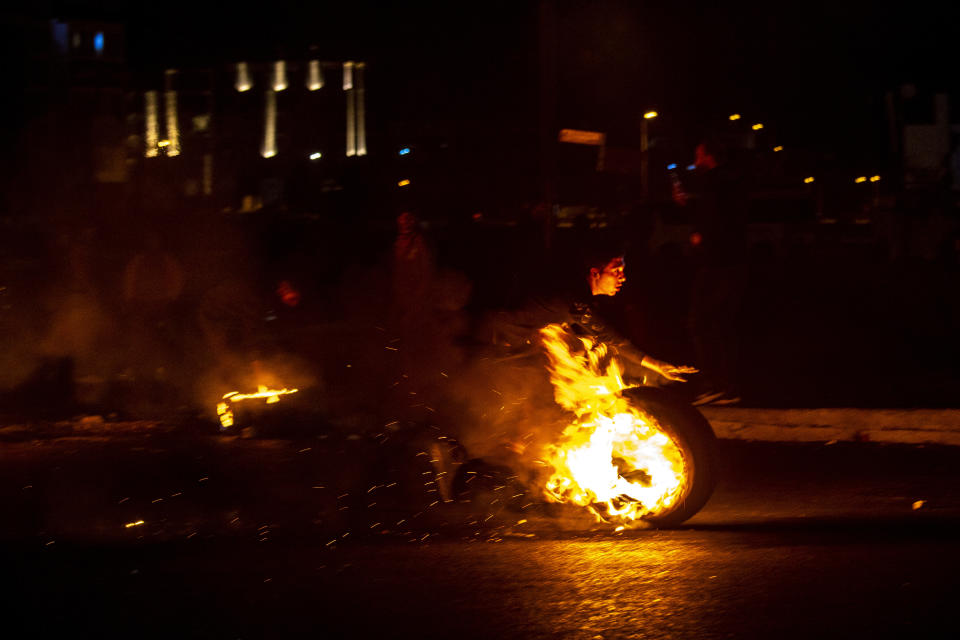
x=608, y=281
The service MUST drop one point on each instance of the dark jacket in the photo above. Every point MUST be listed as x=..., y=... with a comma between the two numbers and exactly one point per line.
x=518, y=332
x=719, y=215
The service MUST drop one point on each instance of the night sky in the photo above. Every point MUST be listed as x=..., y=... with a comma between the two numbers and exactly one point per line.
x=815, y=72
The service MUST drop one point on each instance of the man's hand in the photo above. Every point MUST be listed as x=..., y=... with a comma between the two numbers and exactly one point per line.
x=667, y=370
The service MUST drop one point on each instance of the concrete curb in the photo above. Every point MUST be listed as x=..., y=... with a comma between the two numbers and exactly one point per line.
x=906, y=426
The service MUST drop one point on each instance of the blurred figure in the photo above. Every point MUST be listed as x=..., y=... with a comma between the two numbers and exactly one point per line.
x=152, y=283
x=718, y=246
x=413, y=274
x=76, y=346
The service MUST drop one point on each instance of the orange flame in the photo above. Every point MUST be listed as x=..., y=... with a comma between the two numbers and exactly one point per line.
x=613, y=458
x=225, y=408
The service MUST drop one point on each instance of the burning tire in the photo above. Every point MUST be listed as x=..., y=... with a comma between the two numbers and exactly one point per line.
x=694, y=437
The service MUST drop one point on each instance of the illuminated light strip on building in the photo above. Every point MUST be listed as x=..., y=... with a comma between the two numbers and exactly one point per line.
x=173, y=128
x=361, y=111
x=152, y=133
x=351, y=109
x=243, y=77
x=279, y=75
x=314, y=76
x=270, y=126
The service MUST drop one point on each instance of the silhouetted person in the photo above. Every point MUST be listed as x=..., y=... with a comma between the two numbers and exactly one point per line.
x=604, y=273
x=718, y=247
x=153, y=281
x=413, y=271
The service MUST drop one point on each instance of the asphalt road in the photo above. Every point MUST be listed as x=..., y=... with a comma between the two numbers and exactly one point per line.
x=257, y=538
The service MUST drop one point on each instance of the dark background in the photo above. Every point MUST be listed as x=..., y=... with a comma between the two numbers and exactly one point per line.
x=836, y=314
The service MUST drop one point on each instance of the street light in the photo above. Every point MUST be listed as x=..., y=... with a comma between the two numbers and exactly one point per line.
x=757, y=126
x=778, y=148
x=734, y=116
x=644, y=146
x=860, y=179
x=808, y=180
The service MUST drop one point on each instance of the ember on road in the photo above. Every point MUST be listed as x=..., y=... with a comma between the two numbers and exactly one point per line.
x=226, y=537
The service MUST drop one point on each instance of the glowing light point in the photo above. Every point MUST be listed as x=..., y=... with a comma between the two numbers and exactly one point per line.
x=173, y=126
x=316, y=155
x=98, y=43
x=347, y=76
x=130, y=525
x=269, y=148
x=671, y=166
x=757, y=126
x=314, y=76
x=874, y=178
x=778, y=148
x=734, y=116
x=243, y=77
x=152, y=133
x=861, y=179
x=691, y=167
x=650, y=115
x=279, y=75
x=403, y=183
x=404, y=151
x=808, y=180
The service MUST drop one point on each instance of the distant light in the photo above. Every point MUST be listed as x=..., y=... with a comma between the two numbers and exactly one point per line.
x=734, y=116
x=403, y=183
x=861, y=179
x=136, y=523
x=314, y=76
x=173, y=124
x=808, y=180
x=874, y=178
x=243, y=77
x=152, y=125
x=61, y=35
x=404, y=151
x=671, y=166
x=279, y=75
x=347, y=75
x=163, y=143
x=691, y=167
x=361, y=109
x=269, y=148
x=650, y=115
x=351, y=148
x=316, y=155
x=757, y=126
x=778, y=148
x=98, y=42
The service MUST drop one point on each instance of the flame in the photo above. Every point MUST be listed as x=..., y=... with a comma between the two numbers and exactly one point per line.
x=613, y=458
x=225, y=408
